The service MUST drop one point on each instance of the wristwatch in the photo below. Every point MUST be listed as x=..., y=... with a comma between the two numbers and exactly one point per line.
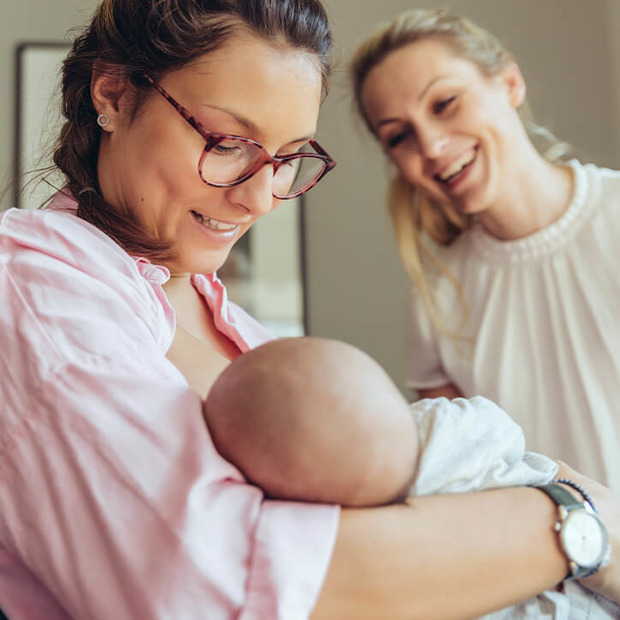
x=582, y=534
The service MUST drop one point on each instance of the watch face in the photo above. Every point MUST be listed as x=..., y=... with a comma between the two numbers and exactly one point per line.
x=584, y=538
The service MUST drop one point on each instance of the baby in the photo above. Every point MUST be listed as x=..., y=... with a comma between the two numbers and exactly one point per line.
x=314, y=420
x=311, y=419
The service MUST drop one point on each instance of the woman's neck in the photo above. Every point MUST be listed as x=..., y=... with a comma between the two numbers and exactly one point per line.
x=538, y=195
x=177, y=281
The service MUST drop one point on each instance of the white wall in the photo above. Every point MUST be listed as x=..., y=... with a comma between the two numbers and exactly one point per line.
x=357, y=289
x=569, y=52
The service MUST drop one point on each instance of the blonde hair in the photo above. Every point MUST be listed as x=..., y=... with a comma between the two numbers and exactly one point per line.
x=414, y=216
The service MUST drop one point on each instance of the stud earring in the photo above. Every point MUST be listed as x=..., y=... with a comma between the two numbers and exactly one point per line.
x=103, y=120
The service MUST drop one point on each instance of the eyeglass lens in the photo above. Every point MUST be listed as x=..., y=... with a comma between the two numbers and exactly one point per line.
x=232, y=159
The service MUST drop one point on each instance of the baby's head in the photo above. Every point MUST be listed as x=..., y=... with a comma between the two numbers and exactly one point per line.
x=316, y=420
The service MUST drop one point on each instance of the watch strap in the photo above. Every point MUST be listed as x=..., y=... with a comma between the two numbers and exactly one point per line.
x=561, y=496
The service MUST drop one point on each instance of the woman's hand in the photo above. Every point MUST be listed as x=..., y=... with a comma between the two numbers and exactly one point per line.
x=607, y=580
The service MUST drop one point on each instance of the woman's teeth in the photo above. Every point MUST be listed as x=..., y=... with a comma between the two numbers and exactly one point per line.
x=213, y=224
x=457, y=167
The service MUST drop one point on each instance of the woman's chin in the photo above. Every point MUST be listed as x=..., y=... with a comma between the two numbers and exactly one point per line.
x=201, y=262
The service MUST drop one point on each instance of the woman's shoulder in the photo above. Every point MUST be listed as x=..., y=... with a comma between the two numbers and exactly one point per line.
x=76, y=263
x=58, y=234
x=604, y=181
x=603, y=172
x=74, y=293
x=41, y=227
x=603, y=196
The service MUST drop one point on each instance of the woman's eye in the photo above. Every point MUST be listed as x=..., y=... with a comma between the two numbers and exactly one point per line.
x=442, y=105
x=399, y=138
x=223, y=149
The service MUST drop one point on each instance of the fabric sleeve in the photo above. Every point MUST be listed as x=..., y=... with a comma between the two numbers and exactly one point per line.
x=113, y=495
x=424, y=365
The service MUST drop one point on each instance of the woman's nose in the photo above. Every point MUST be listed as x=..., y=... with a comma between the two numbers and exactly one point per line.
x=432, y=141
x=256, y=194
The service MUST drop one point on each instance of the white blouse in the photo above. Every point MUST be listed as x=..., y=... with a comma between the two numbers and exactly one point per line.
x=542, y=335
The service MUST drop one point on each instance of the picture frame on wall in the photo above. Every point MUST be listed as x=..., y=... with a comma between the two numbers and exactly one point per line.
x=37, y=119
x=265, y=272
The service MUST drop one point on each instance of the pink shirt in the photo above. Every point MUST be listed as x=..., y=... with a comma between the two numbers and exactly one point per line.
x=113, y=500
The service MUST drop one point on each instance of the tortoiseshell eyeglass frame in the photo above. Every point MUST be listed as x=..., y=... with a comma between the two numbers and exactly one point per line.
x=212, y=139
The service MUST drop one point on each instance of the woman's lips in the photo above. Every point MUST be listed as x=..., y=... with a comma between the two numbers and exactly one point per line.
x=457, y=168
x=212, y=224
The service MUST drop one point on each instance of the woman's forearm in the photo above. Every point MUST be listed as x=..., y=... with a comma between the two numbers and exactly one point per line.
x=456, y=556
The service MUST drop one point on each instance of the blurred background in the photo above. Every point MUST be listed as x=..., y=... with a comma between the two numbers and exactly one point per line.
x=353, y=287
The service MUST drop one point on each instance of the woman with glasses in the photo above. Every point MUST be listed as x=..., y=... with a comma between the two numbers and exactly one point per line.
x=186, y=121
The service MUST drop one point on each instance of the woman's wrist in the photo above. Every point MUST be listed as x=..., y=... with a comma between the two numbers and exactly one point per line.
x=582, y=535
x=607, y=580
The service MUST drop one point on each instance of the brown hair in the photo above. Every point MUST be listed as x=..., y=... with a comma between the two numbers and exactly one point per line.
x=131, y=38
x=416, y=217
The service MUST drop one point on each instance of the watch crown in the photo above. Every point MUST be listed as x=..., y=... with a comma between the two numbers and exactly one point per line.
x=573, y=568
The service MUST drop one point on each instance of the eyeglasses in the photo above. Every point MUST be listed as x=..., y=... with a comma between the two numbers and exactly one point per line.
x=229, y=160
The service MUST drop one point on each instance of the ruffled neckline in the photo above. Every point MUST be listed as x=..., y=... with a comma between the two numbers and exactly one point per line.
x=545, y=240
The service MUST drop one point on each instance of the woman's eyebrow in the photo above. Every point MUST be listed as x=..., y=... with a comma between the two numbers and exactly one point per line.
x=242, y=120
x=386, y=121
x=248, y=124
x=421, y=96
x=431, y=84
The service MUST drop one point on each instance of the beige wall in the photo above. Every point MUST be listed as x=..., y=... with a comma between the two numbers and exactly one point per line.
x=357, y=291
x=28, y=20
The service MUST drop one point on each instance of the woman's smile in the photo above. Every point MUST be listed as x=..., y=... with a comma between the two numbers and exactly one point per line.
x=457, y=168
x=216, y=232
x=214, y=224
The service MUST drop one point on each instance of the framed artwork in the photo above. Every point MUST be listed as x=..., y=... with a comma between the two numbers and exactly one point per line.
x=38, y=119
x=264, y=273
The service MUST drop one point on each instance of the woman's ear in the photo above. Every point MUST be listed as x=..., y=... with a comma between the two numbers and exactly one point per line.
x=107, y=90
x=513, y=79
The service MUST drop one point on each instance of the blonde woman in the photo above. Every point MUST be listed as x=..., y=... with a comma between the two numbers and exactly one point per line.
x=512, y=252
